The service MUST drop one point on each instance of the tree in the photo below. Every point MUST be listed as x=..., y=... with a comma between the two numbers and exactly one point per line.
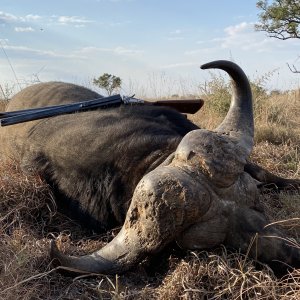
x=108, y=82
x=281, y=20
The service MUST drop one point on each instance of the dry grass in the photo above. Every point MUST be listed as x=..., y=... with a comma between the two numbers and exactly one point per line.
x=3, y=104
x=28, y=220
x=219, y=275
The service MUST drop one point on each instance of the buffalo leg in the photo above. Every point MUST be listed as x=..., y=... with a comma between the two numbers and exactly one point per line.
x=249, y=231
x=269, y=180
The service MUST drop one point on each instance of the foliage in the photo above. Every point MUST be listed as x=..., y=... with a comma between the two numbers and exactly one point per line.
x=217, y=93
x=281, y=19
x=7, y=90
x=261, y=98
x=108, y=82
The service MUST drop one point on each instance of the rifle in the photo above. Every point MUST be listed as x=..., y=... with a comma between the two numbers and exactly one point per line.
x=19, y=116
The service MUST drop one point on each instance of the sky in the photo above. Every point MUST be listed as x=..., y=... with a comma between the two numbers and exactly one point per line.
x=152, y=45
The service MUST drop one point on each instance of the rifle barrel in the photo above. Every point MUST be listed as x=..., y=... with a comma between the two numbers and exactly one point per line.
x=16, y=117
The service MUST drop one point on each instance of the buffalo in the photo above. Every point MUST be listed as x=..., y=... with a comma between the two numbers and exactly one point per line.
x=153, y=171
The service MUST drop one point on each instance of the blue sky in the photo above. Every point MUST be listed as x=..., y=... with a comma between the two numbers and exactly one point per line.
x=142, y=41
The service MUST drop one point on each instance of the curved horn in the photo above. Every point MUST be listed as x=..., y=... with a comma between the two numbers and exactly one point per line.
x=157, y=213
x=116, y=257
x=239, y=119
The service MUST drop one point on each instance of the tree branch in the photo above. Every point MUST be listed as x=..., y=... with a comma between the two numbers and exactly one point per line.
x=293, y=69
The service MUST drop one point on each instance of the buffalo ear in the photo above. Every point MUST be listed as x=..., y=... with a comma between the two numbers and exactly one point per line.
x=271, y=182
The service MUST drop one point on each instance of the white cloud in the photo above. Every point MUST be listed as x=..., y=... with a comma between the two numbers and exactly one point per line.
x=124, y=51
x=201, y=51
x=177, y=31
x=178, y=65
x=74, y=20
x=31, y=17
x=119, y=50
x=117, y=24
x=175, y=35
x=115, y=1
x=7, y=18
x=10, y=18
x=37, y=52
x=236, y=29
x=91, y=49
x=240, y=37
x=175, y=38
x=243, y=37
x=24, y=29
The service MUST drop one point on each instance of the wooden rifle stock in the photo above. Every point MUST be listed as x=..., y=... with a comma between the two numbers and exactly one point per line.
x=26, y=115
x=189, y=106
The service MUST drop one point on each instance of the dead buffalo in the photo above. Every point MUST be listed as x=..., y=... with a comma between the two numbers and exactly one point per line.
x=152, y=170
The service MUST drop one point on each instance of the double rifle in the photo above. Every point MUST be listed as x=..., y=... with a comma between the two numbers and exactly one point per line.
x=20, y=116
